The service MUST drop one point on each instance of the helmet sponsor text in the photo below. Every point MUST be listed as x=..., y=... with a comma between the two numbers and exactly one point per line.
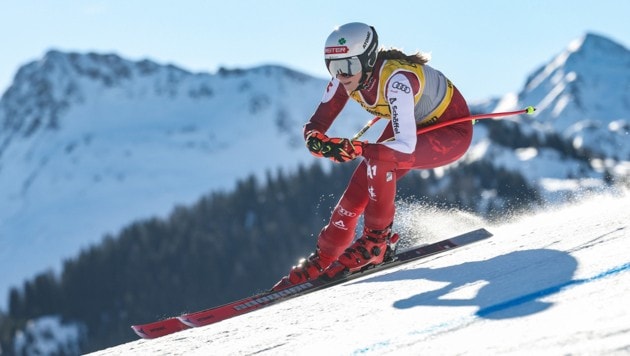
x=336, y=50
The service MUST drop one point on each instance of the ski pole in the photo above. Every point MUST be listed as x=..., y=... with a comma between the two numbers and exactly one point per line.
x=528, y=110
x=365, y=128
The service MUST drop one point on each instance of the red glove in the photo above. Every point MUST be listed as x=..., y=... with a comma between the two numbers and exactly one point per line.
x=335, y=149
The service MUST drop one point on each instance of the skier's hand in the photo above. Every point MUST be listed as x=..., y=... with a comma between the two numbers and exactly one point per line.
x=315, y=141
x=342, y=149
x=336, y=149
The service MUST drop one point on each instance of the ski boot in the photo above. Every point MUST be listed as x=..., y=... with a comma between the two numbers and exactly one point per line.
x=306, y=269
x=373, y=248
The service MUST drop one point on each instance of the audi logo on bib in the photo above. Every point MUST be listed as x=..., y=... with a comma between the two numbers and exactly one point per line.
x=402, y=87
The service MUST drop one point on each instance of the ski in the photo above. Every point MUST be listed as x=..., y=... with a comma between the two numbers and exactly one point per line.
x=159, y=328
x=258, y=301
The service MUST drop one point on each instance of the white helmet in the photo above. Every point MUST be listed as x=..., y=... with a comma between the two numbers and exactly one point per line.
x=351, y=48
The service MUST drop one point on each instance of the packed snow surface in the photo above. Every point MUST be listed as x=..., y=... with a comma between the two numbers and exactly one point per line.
x=555, y=282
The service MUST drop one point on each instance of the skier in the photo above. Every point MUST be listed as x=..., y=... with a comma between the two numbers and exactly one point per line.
x=403, y=89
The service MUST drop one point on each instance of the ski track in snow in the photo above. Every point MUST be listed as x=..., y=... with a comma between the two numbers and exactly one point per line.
x=552, y=283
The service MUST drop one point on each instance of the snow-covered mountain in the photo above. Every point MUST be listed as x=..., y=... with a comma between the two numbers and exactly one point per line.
x=580, y=133
x=90, y=142
x=552, y=283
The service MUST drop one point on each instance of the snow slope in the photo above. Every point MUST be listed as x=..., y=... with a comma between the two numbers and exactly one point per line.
x=555, y=282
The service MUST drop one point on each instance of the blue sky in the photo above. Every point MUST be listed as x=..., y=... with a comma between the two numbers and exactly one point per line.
x=487, y=48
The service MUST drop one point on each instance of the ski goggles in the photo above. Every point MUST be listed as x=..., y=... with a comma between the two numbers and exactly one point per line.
x=344, y=66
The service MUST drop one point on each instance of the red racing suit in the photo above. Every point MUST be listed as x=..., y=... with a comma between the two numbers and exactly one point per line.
x=410, y=96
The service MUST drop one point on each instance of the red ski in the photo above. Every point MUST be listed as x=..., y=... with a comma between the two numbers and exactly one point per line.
x=159, y=328
x=246, y=305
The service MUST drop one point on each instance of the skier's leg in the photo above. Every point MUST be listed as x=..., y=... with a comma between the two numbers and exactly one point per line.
x=371, y=247
x=335, y=237
x=339, y=232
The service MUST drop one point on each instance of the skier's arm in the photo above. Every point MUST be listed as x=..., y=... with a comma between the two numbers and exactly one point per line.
x=400, y=95
x=335, y=98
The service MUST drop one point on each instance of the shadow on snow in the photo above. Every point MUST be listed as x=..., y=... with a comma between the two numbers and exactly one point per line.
x=514, y=283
